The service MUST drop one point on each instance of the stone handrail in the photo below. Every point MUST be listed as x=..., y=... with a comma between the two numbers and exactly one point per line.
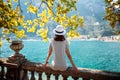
x=32, y=67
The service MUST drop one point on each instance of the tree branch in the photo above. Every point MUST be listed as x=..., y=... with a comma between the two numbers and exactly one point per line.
x=49, y=7
x=39, y=8
x=19, y=4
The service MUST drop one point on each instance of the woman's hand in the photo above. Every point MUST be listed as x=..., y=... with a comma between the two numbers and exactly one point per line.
x=76, y=70
x=44, y=65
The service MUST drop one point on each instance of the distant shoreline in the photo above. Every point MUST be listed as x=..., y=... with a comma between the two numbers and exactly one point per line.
x=81, y=38
x=105, y=38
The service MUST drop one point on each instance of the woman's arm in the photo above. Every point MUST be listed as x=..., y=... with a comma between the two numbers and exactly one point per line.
x=49, y=54
x=71, y=61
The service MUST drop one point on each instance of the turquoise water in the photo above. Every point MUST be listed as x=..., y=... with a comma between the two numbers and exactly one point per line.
x=86, y=54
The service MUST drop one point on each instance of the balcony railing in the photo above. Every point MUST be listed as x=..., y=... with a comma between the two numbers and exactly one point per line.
x=28, y=70
x=17, y=67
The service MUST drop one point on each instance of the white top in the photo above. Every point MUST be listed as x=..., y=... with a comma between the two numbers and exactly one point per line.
x=59, y=61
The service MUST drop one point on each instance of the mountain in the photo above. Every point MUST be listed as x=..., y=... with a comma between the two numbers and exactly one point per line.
x=95, y=8
x=92, y=10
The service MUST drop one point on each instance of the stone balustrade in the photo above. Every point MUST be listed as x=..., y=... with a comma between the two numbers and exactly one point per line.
x=28, y=70
x=17, y=67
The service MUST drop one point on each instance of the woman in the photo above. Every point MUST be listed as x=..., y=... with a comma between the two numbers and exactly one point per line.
x=59, y=46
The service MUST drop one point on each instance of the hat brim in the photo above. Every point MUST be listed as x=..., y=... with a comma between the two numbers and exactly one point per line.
x=63, y=33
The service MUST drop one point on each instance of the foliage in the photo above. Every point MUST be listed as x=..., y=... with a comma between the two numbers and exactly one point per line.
x=0, y=40
x=9, y=19
x=112, y=12
x=12, y=21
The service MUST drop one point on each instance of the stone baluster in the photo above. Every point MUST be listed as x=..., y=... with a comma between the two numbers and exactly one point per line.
x=2, y=73
x=75, y=78
x=56, y=76
x=48, y=76
x=25, y=75
x=40, y=76
x=32, y=76
x=65, y=77
x=17, y=59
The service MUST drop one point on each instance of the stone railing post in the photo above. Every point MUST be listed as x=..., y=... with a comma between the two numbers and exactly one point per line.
x=32, y=75
x=17, y=59
x=40, y=75
x=2, y=73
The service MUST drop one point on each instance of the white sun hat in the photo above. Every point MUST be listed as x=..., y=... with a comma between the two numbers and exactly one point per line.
x=59, y=30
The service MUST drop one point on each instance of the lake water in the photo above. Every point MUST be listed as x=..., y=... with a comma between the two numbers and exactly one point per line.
x=86, y=54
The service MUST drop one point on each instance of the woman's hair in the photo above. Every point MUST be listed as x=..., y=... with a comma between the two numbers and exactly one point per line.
x=59, y=38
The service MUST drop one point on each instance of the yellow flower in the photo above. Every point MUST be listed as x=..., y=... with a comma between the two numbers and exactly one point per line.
x=15, y=0
x=74, y=17
x=50, y=13
x=64, y=25
x=14, y=22
x=20, y=20
x=77, y=34
x=29, y=22
x=50, y=3
x=32, y=9
x=45, y=19
x=31, y=29
x=81, y=21
x=43, y=14
x=5, y=31
x=1, y=9
x=72, y=34
x=43, y=33
x=35, y=21
x=40, y=31
x=20, y=34
x=45, y=39
x=42, y=24
x=24, y=24
x=0, y=42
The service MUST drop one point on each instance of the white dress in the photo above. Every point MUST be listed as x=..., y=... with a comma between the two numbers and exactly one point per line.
x=59, y=61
